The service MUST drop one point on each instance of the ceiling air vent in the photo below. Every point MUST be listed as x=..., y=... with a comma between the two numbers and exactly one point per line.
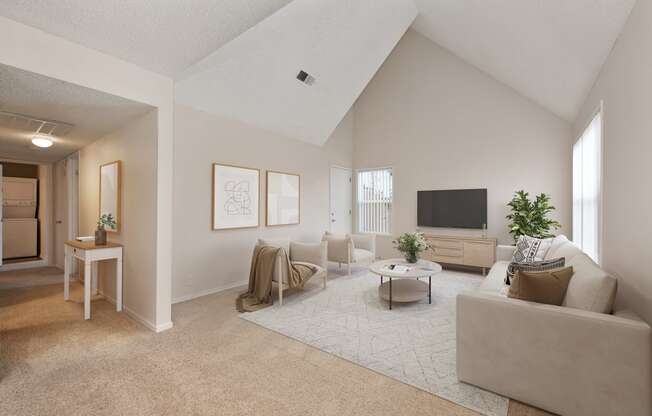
x=29, y=124
x=305, y=77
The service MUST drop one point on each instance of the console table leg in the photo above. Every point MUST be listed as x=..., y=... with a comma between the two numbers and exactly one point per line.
x=381, y=280
x=390, y=293
x=88, y=282
x=429, y=289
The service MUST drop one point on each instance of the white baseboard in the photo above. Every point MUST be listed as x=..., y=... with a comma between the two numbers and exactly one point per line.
x=209, y=291
x=139, y=318
x=24, y=265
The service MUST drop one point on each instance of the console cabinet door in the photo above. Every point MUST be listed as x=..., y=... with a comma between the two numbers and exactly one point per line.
x=478, y=254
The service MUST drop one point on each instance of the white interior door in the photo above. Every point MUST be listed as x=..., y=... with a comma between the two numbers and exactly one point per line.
x=60, y=210
x=341, y=218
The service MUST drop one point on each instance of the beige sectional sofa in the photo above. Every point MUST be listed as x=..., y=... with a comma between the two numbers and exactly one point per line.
x=581, y=358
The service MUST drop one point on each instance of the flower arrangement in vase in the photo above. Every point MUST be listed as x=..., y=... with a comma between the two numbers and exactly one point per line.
x=411, y=245
x=105, y=220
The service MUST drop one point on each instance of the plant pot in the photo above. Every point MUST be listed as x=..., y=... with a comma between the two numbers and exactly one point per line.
x=100, y=237
x=411, y=257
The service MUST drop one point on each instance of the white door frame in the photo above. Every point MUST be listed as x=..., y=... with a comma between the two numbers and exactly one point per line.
x=330, y=190
x=47, y=219
x=2, y=198
x=72, y=175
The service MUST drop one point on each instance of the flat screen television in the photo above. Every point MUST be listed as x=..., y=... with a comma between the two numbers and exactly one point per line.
x=457, y=208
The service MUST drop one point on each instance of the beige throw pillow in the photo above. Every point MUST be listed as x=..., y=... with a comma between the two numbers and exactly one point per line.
x=547, y=287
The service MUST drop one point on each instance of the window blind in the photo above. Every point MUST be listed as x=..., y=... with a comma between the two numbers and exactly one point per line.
x=587, y=189
x=374, y=200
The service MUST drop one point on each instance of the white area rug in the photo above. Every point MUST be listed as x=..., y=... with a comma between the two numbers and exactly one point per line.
x=413, y=343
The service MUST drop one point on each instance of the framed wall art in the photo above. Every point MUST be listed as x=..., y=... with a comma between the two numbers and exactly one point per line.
x=235, y=197
x=283, y=198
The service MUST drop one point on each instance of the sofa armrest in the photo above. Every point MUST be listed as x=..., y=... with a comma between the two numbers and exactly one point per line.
x=365, y=242
x=563, y=360
x=314, y=253
x=504, y=253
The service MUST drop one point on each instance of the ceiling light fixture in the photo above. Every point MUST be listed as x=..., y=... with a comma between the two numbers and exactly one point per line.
x=42, y=141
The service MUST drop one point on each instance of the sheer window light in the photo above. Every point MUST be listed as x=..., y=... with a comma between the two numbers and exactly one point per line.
x=587, y=189
x=374, y=200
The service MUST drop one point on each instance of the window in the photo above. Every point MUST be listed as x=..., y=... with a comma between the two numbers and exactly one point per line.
x=587, y=189
x=374, y=200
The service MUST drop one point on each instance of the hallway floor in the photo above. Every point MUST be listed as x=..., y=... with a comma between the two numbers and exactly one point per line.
x=55, y=363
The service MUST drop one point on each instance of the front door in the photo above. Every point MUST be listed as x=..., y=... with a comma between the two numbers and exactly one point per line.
x=341, y=200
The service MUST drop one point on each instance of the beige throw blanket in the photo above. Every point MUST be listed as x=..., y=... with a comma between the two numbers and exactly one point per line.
x=263, y=261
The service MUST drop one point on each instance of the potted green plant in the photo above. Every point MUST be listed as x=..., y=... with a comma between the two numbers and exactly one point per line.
x=411, y=245
x=105, y=221
x=531, y=217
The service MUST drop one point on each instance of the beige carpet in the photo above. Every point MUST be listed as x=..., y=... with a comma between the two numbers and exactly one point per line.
x=32, y=277
x=55, y=363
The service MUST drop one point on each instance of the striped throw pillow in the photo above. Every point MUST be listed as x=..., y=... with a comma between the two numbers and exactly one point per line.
x=534, y=266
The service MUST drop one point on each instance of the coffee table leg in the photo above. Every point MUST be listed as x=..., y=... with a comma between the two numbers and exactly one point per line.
x=390, y=293
x=381, y=280
x=429, y=289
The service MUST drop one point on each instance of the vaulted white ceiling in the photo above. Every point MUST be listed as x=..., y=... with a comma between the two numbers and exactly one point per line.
x=162, y=36
x=341, y=43
x=550, y=51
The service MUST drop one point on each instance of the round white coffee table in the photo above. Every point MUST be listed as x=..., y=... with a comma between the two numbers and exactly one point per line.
x=405, y=287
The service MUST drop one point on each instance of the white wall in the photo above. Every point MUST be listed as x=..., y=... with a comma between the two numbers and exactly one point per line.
x=206, y=261
x=440, y=123
x=33, y=50
x=135, y=145
x=625, y=87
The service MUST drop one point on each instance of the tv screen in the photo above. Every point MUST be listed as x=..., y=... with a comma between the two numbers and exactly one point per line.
x=459, y=208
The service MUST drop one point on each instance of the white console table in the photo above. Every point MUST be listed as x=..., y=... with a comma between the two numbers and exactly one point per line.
x=90, y=254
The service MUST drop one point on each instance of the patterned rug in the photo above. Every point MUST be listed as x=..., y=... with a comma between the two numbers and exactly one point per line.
x=413, y=343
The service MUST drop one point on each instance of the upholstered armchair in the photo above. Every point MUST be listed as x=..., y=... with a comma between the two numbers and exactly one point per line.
x=312, y=254
x=351, y=249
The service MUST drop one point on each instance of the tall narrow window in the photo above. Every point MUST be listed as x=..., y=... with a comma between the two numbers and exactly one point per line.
x=374, y=201
x=587, y=189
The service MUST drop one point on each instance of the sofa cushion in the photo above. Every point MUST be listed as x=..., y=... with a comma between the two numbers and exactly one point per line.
x=535, y=266
x=313, y=253
x=563, y=248
x=529, y=249
x=557, y=242
x=283, y=243
x=591, y=288
x=547, y=286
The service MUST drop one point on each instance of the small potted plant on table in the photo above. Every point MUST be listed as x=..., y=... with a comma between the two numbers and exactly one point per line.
x=411, y=245
x=106, y=220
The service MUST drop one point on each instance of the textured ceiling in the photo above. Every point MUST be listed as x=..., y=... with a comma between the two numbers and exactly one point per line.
x=164, y=36
x=92, y=113
x=550, y=51
x=342, y=43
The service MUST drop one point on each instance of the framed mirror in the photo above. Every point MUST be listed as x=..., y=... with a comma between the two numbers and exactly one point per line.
x=110, y=190
x=283, y=198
